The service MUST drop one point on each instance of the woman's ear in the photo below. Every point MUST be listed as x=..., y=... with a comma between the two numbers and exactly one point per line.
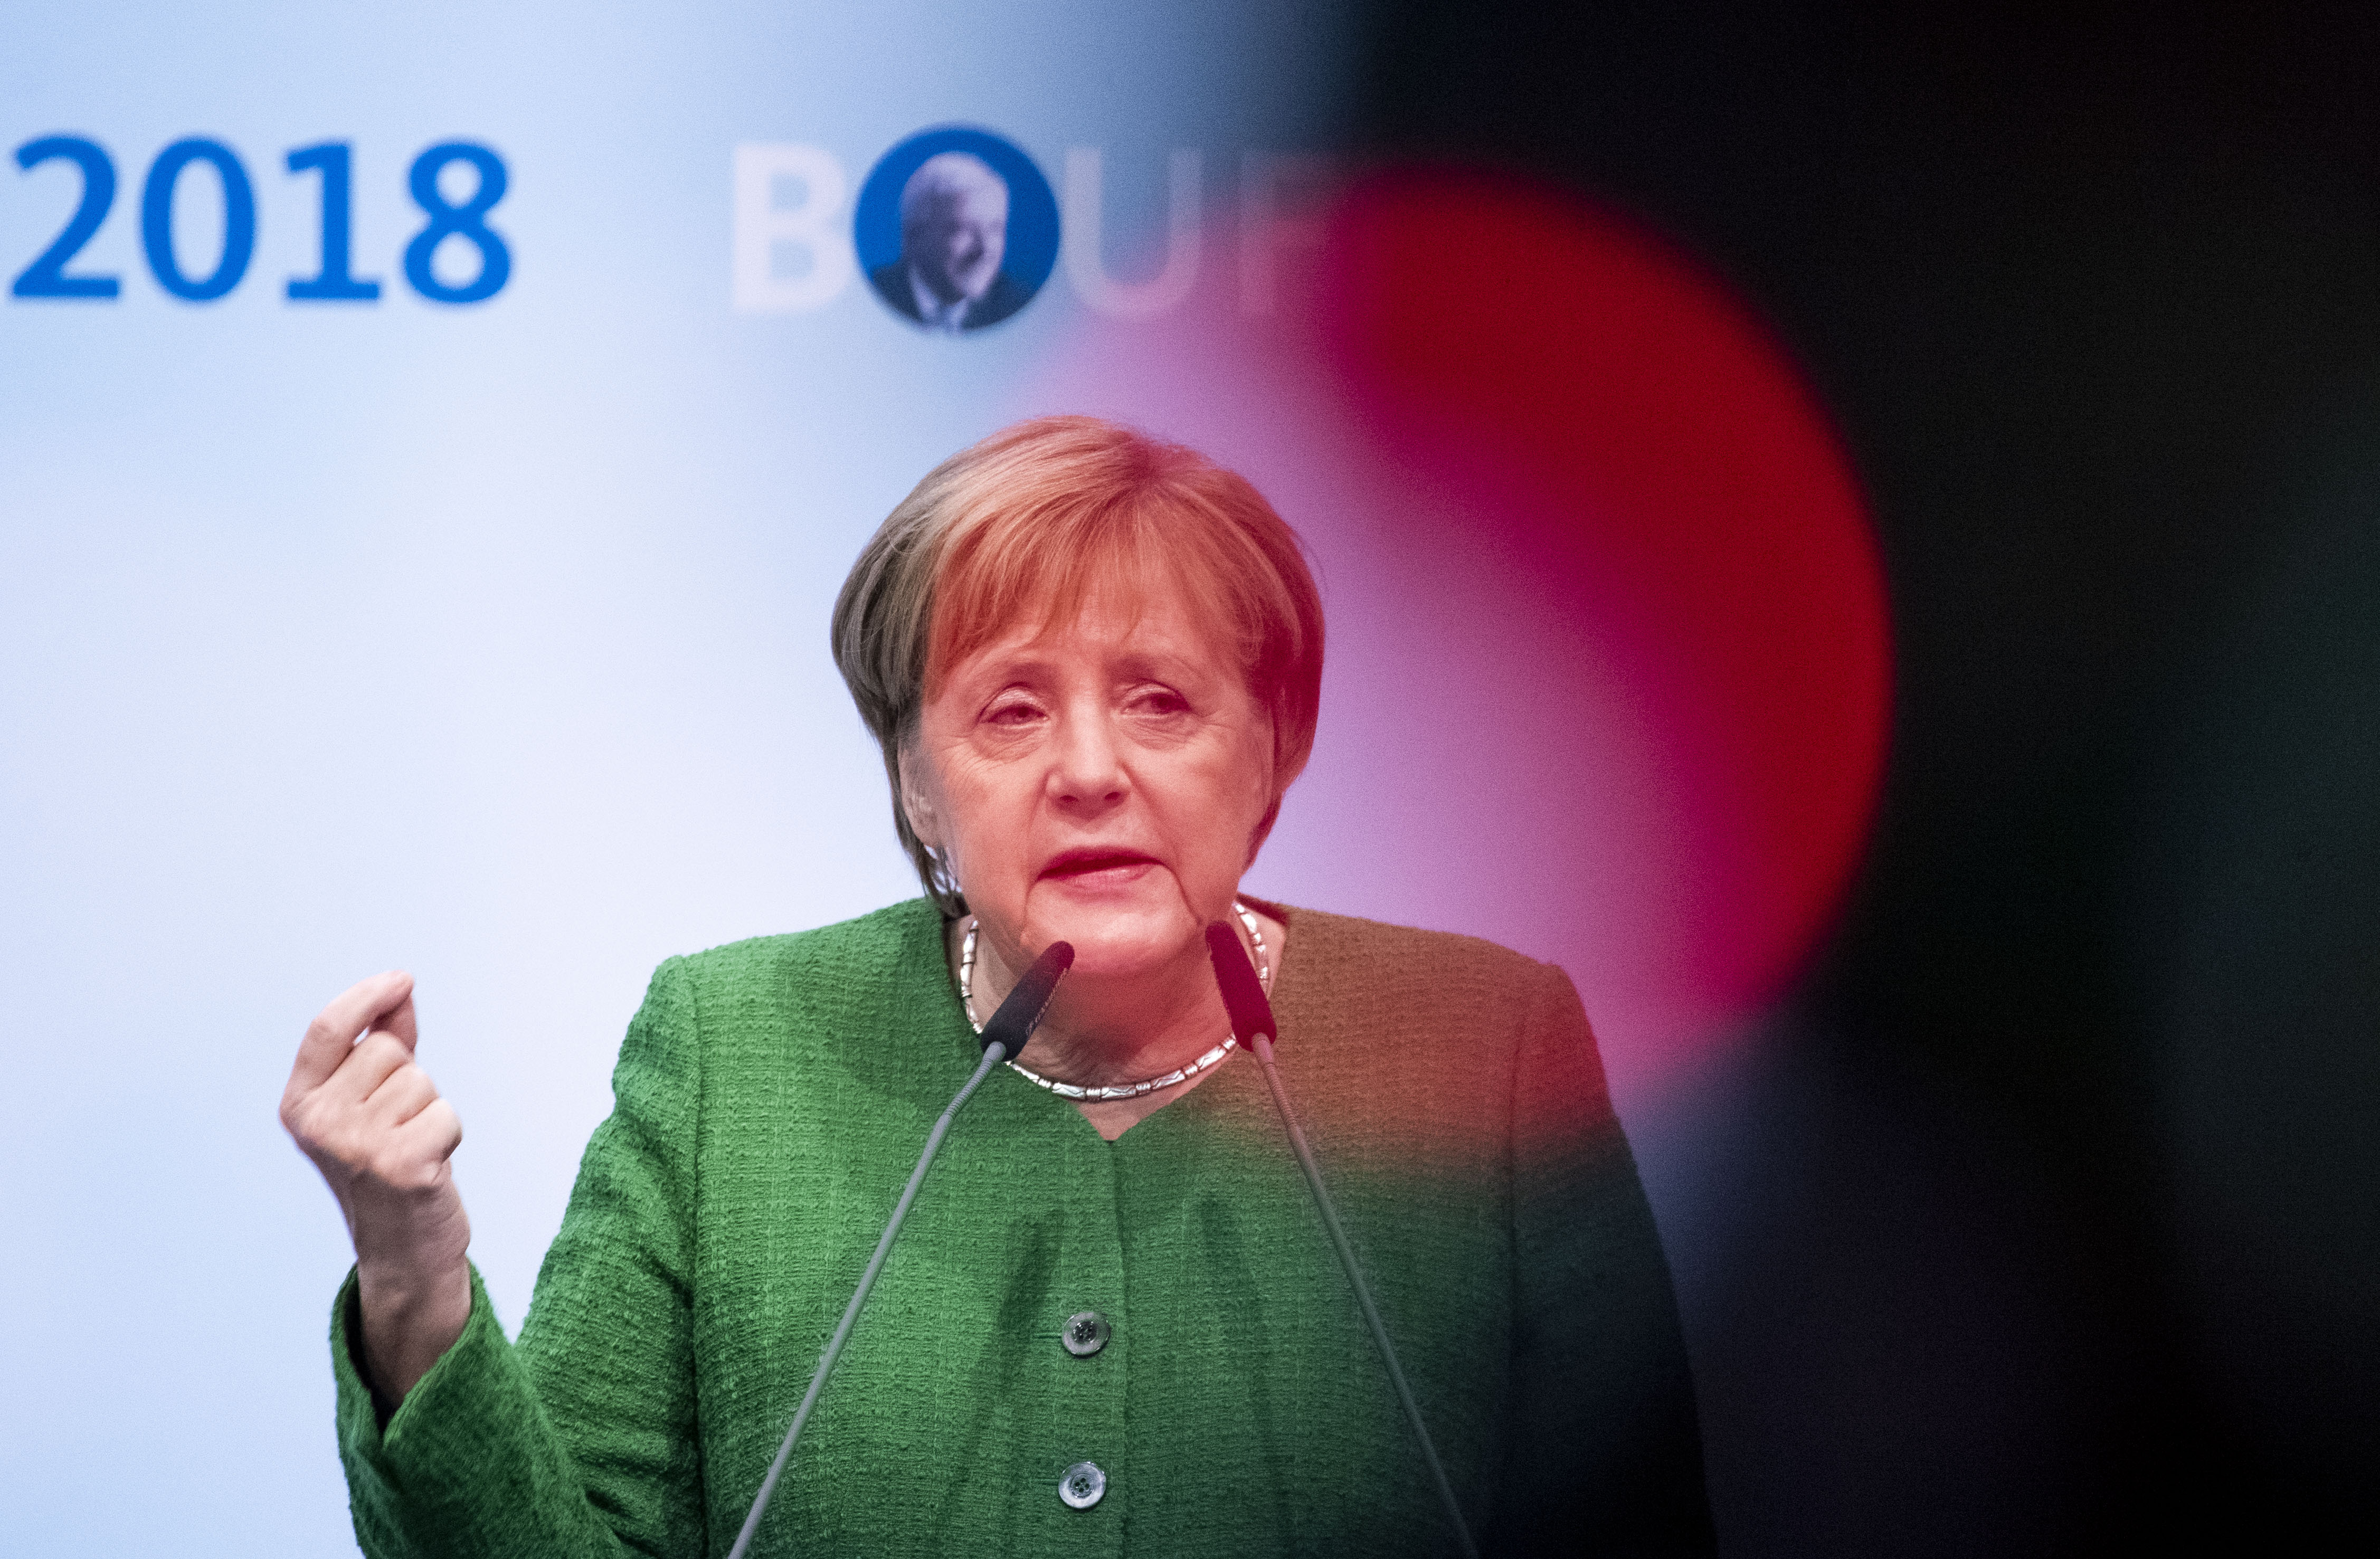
x=924, y=821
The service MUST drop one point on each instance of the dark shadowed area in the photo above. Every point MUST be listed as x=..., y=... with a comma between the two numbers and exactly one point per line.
x=2045, y=1217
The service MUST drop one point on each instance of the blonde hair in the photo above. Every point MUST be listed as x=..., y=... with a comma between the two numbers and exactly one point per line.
x=1022, y=527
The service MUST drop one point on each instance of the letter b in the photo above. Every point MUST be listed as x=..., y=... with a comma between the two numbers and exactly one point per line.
x=816, y=227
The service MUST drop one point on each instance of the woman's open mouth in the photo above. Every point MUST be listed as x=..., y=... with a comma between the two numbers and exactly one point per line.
x=1101, y=868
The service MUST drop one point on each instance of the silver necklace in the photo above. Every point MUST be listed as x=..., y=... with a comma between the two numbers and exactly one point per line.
x=1121, y=1090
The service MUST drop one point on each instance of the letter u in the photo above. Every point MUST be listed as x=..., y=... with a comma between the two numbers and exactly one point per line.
x=1080, y=241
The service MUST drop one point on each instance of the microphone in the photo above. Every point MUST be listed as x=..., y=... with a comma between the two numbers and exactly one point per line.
x=1018, y=1016
x=1252, y=1021
x=1002, y=1038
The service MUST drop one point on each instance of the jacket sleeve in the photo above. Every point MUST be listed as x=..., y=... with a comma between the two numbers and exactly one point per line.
x=580, y=1438
x=1604, y=1453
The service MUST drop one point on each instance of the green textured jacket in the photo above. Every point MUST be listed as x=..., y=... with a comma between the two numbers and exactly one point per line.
x=772, y=1097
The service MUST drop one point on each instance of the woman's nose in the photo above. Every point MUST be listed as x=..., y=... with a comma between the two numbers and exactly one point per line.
x=1089, y=768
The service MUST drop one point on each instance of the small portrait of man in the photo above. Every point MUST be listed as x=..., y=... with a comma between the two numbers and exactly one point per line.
x=953, y=237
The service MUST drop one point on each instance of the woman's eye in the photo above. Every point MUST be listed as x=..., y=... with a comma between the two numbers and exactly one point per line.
x=1017, y=713
x=1162, y=701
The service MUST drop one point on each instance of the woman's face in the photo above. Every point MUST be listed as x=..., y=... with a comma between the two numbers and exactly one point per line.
x=1099, y=782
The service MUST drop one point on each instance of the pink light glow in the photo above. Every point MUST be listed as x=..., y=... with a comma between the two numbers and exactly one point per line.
x=1608, y=671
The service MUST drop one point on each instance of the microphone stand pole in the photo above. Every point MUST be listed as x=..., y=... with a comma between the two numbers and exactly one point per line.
x=993, y=1055
x=1252, y=1018
x=1002, y=1037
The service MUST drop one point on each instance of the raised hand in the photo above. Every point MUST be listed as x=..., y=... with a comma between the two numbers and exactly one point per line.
x=373, y=1122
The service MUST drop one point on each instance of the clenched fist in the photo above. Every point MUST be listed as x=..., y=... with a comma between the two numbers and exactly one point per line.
x=373, y=1122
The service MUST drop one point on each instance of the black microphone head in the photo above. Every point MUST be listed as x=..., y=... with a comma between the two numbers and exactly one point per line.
x=1021, y=1013
x=1244, y=996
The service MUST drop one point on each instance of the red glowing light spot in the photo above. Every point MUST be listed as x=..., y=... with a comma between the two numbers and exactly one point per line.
x=1609, y=668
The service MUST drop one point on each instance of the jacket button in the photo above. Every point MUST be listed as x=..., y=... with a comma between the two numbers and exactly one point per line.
x=1083, y=1485
x=1086, y=1332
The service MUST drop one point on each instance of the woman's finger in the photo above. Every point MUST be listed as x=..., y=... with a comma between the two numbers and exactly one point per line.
x=333, y=1032
x=431, y=1137
x=372, y=1061
x=398, y=1020
x=401, y=1096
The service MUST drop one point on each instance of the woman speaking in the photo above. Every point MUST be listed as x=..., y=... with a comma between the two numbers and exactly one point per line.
x=1114, y=1322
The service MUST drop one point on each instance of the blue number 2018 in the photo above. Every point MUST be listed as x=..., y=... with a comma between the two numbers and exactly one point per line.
x=333, y=280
